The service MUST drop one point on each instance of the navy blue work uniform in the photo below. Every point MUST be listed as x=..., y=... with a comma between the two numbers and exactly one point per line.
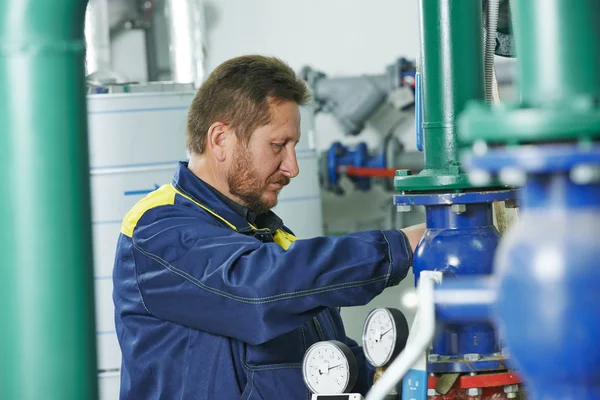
x=209, y=306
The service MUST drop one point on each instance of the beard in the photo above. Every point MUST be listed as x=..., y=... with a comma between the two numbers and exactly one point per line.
x=245, y=183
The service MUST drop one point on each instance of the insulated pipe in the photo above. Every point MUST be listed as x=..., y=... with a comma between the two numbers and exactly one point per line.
x=185, y=20
x=47, y=338
x=452, y=73
x=97, y=37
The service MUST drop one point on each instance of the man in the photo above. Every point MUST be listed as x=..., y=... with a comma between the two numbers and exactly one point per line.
x=214, y=297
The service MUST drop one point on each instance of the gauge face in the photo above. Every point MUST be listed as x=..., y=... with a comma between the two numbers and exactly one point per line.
x=329, y=368
x=384, y=335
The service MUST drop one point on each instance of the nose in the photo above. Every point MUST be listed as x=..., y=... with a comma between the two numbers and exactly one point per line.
x=289, y=165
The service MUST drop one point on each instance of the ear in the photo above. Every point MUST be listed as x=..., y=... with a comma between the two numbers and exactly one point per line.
x=218, y=138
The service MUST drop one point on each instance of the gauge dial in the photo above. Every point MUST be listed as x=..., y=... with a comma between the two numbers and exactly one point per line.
x=329, y=368
x=384, y=335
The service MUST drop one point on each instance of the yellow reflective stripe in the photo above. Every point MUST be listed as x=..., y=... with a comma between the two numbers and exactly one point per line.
x=281, y=237
x=206, y=208
x=165, y=195
x=160, y=197
x=284, y=239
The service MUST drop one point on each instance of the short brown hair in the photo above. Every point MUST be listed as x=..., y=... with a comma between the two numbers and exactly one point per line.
x=238, y=92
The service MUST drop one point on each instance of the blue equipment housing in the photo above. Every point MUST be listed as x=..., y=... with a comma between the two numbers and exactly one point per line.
x=547, y=268
x=460, y=241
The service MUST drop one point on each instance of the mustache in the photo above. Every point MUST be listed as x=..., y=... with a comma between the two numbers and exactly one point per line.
x=280, y=179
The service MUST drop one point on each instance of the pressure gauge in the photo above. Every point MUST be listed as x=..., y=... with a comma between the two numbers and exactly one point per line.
x=384, y=335
x=329, y=368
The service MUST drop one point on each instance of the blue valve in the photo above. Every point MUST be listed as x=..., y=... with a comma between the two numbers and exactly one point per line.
x=419, y=111
x=339, y=155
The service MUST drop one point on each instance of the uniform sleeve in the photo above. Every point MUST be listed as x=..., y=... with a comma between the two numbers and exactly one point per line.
x=194, y=273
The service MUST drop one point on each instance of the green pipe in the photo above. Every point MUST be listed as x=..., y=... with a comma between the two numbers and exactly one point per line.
x=558, y=73
x=47, y=334
x=453, y=73
x=559, y=59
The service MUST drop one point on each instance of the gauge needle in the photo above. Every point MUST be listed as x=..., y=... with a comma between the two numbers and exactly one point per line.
x=380, y=336
x=322, y=370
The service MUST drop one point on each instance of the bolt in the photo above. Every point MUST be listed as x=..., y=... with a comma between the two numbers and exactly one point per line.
x=433, y=357
x=480, y=148
x=511, y=395
x=512, y=176
x=472, y=357
x=584, y=174
x=459, y=208
x=431, y=393
x=473, y=392
x=511, y=389
x=403, y=172
x=479, y=177
x=404, y=208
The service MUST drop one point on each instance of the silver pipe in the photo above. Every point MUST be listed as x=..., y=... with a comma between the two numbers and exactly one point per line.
x=185, y=19
x=97, y=38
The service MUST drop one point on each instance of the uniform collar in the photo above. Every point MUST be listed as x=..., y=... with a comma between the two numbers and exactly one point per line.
x=248, y=215
x=190, y=185
x=239, y=216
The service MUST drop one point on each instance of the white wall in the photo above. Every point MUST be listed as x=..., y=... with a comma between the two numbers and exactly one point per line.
x=337, y=37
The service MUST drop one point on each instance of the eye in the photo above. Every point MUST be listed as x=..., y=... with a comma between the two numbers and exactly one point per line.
x=278, y=147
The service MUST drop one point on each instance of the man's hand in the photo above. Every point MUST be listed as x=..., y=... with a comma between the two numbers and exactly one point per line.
x=414, y=234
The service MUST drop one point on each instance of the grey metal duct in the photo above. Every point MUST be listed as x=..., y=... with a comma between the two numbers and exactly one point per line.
x=354, y=101
x=97, y=40
x=186, y=27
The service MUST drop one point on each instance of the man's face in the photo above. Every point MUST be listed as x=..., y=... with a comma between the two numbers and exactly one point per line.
x=262, y=168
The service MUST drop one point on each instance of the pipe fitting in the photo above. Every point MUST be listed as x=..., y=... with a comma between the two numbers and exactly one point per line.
x=585, y=174
x=473, y=392
x=472, y=357
x=459, y=208
x=511, y=391
x=404, y=208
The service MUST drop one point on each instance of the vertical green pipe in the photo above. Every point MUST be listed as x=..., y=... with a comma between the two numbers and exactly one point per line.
x=556, y=41
x=453, y=73
x=47, y=338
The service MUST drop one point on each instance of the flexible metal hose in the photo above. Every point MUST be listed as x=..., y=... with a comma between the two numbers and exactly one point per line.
x=490, y=47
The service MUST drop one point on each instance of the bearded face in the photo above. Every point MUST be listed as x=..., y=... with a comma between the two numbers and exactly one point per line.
x=254, y=183
x=258, y=168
